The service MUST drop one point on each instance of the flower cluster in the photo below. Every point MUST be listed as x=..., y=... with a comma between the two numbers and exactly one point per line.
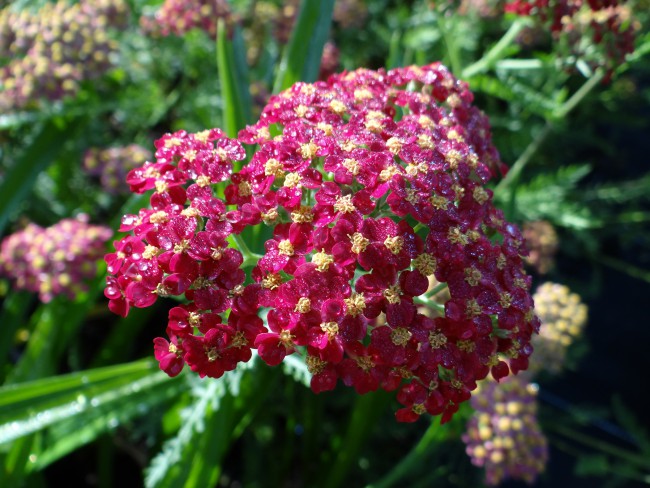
x=55, y=260
x=347, y=14
x=563, y=318
x=542, y=243
x=53, y=50
x=368, y=183
x=111, y=165
x=503, y=436
x=176, y=17
x=600, y=32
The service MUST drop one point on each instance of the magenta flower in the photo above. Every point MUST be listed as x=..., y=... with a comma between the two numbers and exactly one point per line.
x=369, y=183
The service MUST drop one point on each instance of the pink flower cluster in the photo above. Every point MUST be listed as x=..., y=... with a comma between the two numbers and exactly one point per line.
x=504, y=436
x=53, y=50
x=366, y=184
x=55, y=260
x=176, y=17
x=583, y=24
x=111, y=165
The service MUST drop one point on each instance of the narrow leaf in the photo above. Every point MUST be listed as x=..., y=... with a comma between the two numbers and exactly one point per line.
x=302, y=56
x=20, y=178
x=32, y=406
x=233, y=76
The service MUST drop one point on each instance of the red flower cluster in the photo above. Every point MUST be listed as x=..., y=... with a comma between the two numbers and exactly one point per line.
x=55, y=260
x=53, y=50
x=583, y=24
x=371, y=182
x=180, y=16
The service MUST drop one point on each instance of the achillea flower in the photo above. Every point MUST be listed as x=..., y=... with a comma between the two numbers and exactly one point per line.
x=55, y=260
x=503, y=435
x=563, y=318
x=371, y=182
x=53, y=50
x=111, y=165
x=176, y=17
x=542, y=243
x=599, y=32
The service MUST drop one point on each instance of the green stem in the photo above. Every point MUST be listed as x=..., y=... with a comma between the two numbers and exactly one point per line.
x=624, y=267
x=250, y=258
x=497, y=51
x=437, y=289
x=560, y=113
x=599, y=445
x=411, y=460
x=366, y=410
x=524, y=159
x=577, y=97
x=424, y=300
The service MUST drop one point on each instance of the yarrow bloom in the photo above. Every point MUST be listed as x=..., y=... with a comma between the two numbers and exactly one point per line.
x=542, y=243
x=563, y=317
x=111, y=165
x=176, y=17
x=583, y=25
x=503, y=435
x=53, y=50
x=55, y=260
x=369, y=183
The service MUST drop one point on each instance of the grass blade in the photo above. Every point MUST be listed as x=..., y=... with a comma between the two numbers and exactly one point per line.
x=302, y=56
x=233, y=76
x=21, y=176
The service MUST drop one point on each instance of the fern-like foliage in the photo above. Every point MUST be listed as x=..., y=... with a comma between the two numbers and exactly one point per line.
x=208, y=394
x=553, y=197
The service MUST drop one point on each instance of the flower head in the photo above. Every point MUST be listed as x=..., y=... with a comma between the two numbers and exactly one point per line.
x=503, y=434
x=369, y=182
x=563, y=317
x=56, y=260
x=53, y=50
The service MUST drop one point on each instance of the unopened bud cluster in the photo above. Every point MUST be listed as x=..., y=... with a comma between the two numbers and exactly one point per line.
x=563, y=317
x=53, y=50
x=542, y=243
x=55, y=260
x=503, y=435
x=500, y=406
x=111, y=165
x=369, y=183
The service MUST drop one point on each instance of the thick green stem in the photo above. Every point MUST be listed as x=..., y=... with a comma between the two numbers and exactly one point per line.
x=498, y=51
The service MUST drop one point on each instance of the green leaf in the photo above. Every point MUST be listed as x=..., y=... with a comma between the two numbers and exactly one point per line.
x=14, y=310
x=202, y=438
x=550, y=196
x=142, y=396
x=592, y=465
x=233, y=76
x=33, y=406
x=302, y=56
x=20, y=178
